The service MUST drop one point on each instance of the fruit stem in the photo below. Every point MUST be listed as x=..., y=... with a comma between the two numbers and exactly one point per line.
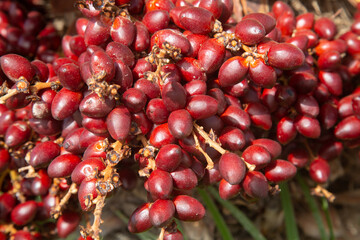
x=9, y=94
x=31, y=171
x=322, y=192
x=216, y=146
x=307, y=146
x=252, y=51
x=95, y=228
x=208, y=140
x=244, y=6
x=210, y=163
x=15, y=181
x=143, y=140
x=33, y=90
x=162, y=233
x=56, y=212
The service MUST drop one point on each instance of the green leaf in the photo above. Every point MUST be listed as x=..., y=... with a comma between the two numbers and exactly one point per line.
x=325, y=207
x=218, y=219
x=290, y=222
x=239, y=215
x=313, y=206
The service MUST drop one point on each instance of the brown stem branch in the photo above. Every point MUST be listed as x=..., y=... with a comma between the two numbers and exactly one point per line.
x=306, y=144
x=143, y=140
x=95, y=228
x=31, y=173
x=162, y=233
x=32, y=89
x=15, y=181
x=56, y=212
x=322, y=192
x=9, y=94
x=244, y=6
x=208, y=140
x=214, y=145
x=210, y=163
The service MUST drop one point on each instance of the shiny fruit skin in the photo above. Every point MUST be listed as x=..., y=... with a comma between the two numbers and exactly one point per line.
x=24, y=213
x=280, y=170
x=285, y=56
x=119, y=122
x=63, y=165
x=232, y=168
x=188, y=208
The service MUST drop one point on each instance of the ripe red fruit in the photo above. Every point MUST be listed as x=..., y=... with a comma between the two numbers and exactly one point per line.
x=325, y=28
x=63, y=165
x=250, y=31
x=211, y=55
x=319, y=170
x=67, y=223
x=184, y=178
x=119, y=123
x=160, y=184
x=15, y=66
x=348, y=128
x=161, y=212
x=169, y=157
x=280, y=170
x=197, y=20
x=161, y=135
x=257, y=155
x=202, y=106
x=265, y=19
x=285, y=56
x=180, y=123
x=232, y=138
x=232, y=168
x=255, y=185
x=233, y=71
x=188, y=208
x=87, y=169
x=140, y=219
x=65, y=103
x=24, y=213
x=227, y=190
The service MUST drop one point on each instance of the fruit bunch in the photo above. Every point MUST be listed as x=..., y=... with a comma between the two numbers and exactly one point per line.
x=173, y=94
x=25, y=31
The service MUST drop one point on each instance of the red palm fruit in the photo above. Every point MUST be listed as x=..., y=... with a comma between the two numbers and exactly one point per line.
x=188, y=208
x=280, y=170
x=232, y=168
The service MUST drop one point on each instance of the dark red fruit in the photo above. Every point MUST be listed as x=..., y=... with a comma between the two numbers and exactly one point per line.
x=255, y=185
x=285, y=56
x=119, y=123
x=227, y=190
x=169, y=157
x=202, y=106
x=24, y=213
x=250, y=31
x=319, y=170
x=232, y=71
x=280, y=170
x=197, y=20
x=232, y=168
x=67, y=223
x=63, y=165
x=188, y=208
x=140, y=220
x=161, y=212
x=180, y=123
x=160, y=184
